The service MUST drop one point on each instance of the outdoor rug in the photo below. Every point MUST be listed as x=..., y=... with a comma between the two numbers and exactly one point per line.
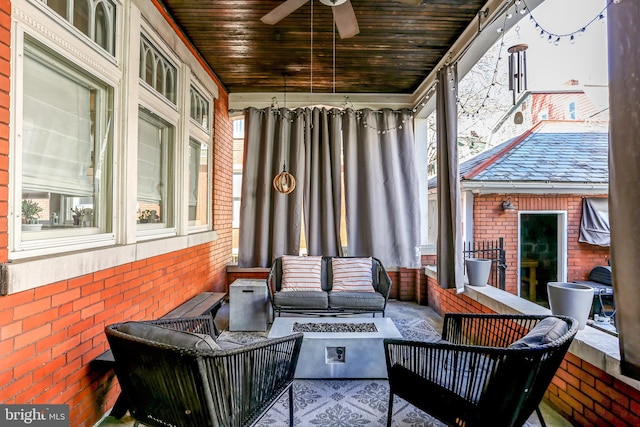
x=345, y=403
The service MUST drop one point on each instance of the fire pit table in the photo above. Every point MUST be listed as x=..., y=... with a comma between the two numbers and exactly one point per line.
x=339, y=347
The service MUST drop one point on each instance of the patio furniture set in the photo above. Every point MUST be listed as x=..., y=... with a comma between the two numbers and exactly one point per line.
x=486, y=367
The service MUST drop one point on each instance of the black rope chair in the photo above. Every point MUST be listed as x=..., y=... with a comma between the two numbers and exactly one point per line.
x=488, y=369
x=172, y=373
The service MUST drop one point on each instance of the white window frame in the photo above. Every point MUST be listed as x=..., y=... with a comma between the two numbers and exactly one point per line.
x=159, y=105
x=203, y=135
x=60, y=38
x=87, y=40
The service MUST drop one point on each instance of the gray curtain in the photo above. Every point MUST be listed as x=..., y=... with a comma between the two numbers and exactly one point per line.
x=624, y=175
x=381, y=186
x=269, y=221
x=322, y=196
x=450, y=268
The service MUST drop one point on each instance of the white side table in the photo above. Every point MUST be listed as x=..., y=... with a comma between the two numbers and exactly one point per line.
x=248, y=305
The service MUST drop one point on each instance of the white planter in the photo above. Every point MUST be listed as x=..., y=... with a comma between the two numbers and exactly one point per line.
x=571, y=299
x=478, y=271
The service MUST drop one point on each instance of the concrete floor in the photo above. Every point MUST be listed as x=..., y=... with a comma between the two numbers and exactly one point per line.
x=395, y=310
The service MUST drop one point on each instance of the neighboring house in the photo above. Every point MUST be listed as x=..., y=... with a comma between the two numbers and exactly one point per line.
x=545, y=173
x=572, y=102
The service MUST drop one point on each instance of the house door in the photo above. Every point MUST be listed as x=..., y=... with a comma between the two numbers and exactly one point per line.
x=542, y=253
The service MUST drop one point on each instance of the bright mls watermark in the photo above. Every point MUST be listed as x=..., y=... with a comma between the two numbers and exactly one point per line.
x=34, y=415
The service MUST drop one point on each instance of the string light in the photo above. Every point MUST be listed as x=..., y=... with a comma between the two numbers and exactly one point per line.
x=555, y=38
x=366, y=125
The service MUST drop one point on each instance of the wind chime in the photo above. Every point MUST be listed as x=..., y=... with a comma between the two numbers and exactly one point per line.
x=284, y=182
x=517, y=69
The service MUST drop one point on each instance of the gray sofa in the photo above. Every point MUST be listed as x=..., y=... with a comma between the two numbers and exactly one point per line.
x=326, y=301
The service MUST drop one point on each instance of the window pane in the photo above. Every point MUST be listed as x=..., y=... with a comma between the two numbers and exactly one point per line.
x=104, y=34
x=81, y=16
x=199, y=110
x=59, y=7
x=155, y=170
x=157, y=71
x=66, y=121
x=198, y=179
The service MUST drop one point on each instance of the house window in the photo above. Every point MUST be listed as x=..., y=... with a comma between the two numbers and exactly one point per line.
x=571, y=113
x=66, y=165
x=198, y=183
x=94, y=18
x=157, y=71
x=155, y=172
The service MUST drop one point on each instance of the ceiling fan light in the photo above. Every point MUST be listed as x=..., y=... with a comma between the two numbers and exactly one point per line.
x=332, y=3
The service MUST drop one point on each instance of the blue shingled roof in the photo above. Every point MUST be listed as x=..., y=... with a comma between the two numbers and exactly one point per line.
x=573, y=152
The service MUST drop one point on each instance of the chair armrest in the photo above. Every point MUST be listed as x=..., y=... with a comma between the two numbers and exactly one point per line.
x=462, y=370
x=271, y=283
x=242, y=379
x=490, y=330
x=384, y=281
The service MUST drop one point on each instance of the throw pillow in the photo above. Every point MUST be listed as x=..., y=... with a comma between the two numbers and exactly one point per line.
x=352, y=275
x=301, y=273
x=546, y=331
x=169, y=336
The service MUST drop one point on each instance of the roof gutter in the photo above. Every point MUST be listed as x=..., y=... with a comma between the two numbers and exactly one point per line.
x=534, y=187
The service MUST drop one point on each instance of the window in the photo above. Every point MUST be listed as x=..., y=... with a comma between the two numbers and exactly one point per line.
x=157, y=71
x=66, y=149
x=199, y=110
x=94, y=18
x=156, y=174
x=198, y=183
x=199, y=193
x=571, y=113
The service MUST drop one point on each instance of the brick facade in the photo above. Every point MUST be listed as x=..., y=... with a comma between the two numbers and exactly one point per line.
x=49, y=335
x=491, y=222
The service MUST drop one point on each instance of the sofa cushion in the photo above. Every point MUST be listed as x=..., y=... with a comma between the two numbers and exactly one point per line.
x=356, y=300
x=546, y=331
x=351, y=275
x=302, y=299
x=301, y=273
x=169, y=336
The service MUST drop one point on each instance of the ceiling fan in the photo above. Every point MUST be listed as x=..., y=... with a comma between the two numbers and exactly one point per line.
x=343, y=14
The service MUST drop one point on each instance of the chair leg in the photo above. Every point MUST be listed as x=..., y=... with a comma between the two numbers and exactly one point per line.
x=390, y=412
x=291, y=405
x=539, y=413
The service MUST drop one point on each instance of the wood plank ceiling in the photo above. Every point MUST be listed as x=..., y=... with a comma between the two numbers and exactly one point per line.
x=397, y=47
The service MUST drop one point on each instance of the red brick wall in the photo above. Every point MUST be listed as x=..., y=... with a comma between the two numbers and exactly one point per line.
x=491, y=222
x=582, y=393
x=590, y=397
x=246, y=273
x=49, y=335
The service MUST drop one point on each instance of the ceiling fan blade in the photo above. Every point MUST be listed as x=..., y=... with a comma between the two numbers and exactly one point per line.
x=346, y=20
x=282, y=11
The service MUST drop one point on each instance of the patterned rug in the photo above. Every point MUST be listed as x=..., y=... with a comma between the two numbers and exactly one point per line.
x=345, y=403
